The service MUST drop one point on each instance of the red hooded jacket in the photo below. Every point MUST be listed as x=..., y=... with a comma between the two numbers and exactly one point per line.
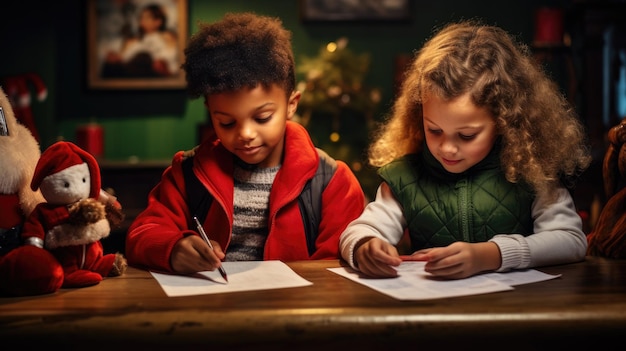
x=155, y=231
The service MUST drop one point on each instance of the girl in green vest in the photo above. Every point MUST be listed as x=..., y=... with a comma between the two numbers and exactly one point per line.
x=476, y=160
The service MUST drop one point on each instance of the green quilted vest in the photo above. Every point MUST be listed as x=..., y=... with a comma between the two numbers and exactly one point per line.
x=442, y=207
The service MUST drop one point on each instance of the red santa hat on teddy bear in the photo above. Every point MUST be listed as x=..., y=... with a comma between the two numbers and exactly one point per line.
x=62, y=156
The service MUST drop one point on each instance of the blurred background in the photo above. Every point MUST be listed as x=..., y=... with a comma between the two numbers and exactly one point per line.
x=350, y=56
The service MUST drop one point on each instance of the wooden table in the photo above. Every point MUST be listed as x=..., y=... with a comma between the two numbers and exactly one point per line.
x=586, y=307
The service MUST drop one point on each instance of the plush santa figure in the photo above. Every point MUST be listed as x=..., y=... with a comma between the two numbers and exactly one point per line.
x=23, y=270
x=73, y=219
x=20, y=153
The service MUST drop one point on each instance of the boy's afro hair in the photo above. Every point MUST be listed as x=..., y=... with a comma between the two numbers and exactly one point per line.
x=241, y=50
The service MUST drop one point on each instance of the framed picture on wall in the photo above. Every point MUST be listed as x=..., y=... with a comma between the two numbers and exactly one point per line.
x=355, y=10
x=136, y=44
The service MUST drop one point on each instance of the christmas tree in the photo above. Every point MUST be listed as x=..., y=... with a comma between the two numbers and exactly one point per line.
x=337, y=108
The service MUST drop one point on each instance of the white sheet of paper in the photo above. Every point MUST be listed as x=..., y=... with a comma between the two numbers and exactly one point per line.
x=526, y=276
x=413, y=283
x=242, y=276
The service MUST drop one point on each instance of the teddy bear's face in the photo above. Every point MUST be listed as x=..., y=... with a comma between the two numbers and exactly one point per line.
x=67, y=186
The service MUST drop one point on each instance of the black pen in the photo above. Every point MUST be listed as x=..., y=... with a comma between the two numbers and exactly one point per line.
x=206, y=238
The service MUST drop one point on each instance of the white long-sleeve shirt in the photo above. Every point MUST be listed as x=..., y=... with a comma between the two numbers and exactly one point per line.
x=557, y=232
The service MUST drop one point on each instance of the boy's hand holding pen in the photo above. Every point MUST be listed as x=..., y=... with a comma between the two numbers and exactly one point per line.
x=206, y=239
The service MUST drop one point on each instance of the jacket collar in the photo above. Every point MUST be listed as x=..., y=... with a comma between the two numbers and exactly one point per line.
x=490, y=162
x=299, y=164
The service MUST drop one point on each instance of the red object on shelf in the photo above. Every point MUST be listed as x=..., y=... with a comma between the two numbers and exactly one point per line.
x=548, y=26
x=90, y=138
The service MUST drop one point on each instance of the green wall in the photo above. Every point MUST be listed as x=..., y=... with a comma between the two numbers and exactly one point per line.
x=49, y=38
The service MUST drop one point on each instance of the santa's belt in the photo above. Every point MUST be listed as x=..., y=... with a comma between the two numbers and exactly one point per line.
x=10, y=238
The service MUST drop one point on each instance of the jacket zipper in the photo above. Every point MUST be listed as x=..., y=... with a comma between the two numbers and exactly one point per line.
x=463, y=190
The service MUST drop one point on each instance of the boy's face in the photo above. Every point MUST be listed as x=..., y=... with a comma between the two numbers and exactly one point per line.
x=251, y=122
x=458, y=133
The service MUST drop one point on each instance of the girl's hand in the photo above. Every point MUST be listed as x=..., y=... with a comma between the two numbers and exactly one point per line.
x=460, y=259
x=376, y=258
x=191, y=254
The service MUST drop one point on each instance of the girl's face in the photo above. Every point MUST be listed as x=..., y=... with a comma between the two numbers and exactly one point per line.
x=458, y=133
x=251, y=122
x=148, y=22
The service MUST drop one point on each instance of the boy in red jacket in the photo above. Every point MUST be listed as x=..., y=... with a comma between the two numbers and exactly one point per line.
x=255, y=166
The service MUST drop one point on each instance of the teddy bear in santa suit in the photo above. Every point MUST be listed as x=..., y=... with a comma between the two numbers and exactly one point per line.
x=73, y=219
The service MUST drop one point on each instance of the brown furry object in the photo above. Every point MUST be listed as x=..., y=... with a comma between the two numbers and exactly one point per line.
x=86, y=211
x=608, y=237
x=114, y=214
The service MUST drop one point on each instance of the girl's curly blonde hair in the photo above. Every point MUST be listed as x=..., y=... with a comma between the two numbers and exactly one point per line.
x=542, y=139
